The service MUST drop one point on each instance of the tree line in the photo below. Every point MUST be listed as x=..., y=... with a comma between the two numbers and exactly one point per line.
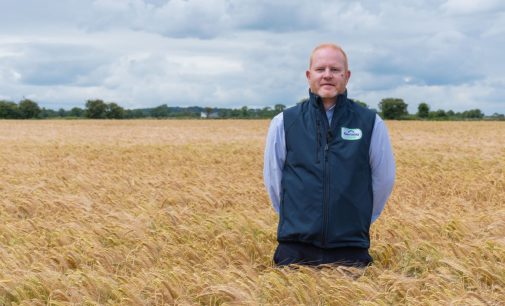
x=98, y=109
x=396, y=109
x=389, y=108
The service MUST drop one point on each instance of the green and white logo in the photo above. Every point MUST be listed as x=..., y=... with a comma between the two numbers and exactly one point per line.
x=351, y=134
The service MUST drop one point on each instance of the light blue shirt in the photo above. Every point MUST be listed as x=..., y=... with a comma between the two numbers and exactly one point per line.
x=381, y=157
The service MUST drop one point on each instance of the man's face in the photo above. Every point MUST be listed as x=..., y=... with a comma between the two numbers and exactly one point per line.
x=328, y=75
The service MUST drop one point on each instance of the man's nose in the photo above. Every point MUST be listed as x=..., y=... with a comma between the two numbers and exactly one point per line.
x=327, y=73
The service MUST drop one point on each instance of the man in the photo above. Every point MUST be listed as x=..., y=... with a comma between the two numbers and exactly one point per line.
x=329, y=170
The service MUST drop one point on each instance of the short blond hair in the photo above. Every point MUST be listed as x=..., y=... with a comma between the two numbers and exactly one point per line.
x=331, y=46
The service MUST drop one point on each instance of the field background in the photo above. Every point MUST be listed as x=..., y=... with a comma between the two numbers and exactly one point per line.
x=175, y=212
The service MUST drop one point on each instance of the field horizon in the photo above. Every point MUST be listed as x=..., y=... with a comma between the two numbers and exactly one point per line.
x=163, y=212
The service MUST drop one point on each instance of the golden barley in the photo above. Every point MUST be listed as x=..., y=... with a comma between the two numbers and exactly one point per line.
x=175, y=212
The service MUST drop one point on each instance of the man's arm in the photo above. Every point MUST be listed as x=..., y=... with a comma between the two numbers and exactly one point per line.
x=382, y=163
x=275, y=155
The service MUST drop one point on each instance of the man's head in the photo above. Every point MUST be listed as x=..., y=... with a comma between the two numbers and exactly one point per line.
x=328, y=72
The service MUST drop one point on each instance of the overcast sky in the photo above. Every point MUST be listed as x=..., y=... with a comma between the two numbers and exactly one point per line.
x=231, y=53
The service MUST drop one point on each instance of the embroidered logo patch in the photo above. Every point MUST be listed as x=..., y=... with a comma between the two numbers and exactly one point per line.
x=351, y=134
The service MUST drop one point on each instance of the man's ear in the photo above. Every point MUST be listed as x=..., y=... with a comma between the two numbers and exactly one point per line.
x=307, y=74
x=348, y=75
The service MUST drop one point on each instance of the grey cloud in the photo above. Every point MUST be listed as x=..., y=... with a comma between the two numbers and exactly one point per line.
x=202, y=19
x=52, y=64
x=156, y=3
x=276, y=16
x=425, y=70
x=176, y=18
x=53, y=73
x=34, y=15
x=459, y=7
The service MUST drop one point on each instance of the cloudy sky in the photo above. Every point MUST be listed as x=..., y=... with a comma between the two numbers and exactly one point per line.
x=231, y=53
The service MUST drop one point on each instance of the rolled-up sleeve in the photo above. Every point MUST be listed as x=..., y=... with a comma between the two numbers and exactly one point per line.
x=275, y=155
x=382, y=163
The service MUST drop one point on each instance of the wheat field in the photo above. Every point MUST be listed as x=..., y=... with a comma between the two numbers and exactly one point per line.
x=175, y=212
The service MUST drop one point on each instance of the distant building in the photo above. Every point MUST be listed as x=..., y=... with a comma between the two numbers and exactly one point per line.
x=213, y=115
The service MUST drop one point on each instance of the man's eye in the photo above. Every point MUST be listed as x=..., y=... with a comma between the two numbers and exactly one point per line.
x=319, y=69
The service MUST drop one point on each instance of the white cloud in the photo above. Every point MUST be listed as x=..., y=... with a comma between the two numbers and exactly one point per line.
x=471, y=6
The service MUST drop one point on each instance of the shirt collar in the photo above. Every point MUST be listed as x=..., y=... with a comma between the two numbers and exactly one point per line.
x=329, y=113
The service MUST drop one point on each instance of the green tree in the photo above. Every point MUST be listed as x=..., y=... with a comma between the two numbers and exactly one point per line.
x=62, y=112
x=134, y=113
x=361, y=103
x=235, y=113
x=9, y=110
x=438, y=114
x=96, y=109
x=244, y=112
x=266, y=112
x=392, y=108
x=473, y=114
x=76, y=112
x=47, y=113
x=208, y=111
x=114, y=111
x=497, y=116
x=423, y=110
x=28, y=109
x=279, y=108
x=161, y=111
x=225, y=113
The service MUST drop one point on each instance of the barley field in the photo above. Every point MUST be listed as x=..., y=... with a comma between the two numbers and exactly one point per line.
x=175, y=213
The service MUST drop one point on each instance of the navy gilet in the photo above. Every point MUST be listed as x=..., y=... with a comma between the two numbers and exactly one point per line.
x=326, y=197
